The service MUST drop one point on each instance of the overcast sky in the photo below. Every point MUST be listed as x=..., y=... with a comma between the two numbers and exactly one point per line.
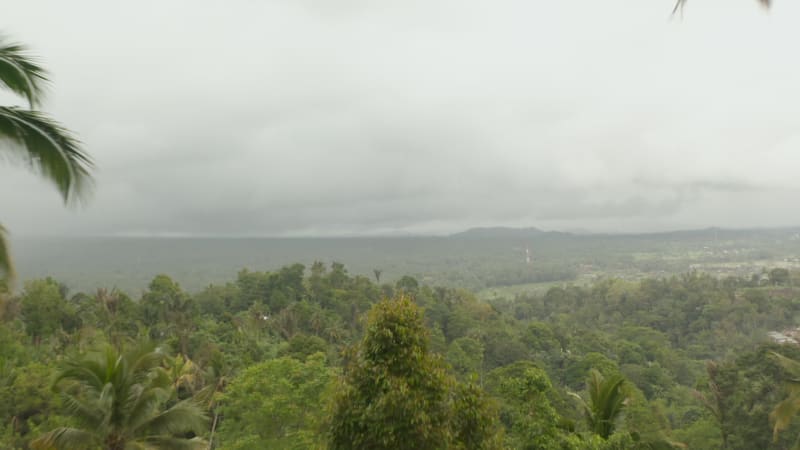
x=298, y=117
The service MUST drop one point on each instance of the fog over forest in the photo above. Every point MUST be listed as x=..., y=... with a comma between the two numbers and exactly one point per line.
x=422, y=117
x=400, y=225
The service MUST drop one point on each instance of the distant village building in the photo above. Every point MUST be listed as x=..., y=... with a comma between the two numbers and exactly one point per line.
x=785, y=337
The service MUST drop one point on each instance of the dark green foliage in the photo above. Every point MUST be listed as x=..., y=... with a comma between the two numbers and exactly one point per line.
x=502, y=347
x=275, y=405
x=28, y=403
x=259, y=354
x=466, y=356
x=407, y=285
x=526, y=411
x=45, y=310
x=219, y=300
x=274, y=290
x=576, y=368
x=301, y=346
x=396, y=394
x=164, y=301
x=474, y=422
x=741, y=394
x=118, y=400
x=47, y=148
x=20, y=73
x=168, y=311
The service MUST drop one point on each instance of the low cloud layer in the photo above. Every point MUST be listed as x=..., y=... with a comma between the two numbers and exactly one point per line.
x=318, y=117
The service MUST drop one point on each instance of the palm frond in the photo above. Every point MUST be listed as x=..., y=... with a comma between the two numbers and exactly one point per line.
x=141, y=405
x=48, y=149
x=89, y=373
x=20, y=74
x=6, y=267
x=84, y=412
x=170, y=443
x=205, y=396
x=783, y=414
x=182, y=417
x=588, y=414
x=612, y=399
x=143, y=358
x=64, y=437
x=123, y=395
x=679, y=4
x=788, y=364
x=606, y=402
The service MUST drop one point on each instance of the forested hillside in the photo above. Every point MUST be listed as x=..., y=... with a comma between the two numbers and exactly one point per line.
x=476, y=259
x=318, y=358
x=251, y=231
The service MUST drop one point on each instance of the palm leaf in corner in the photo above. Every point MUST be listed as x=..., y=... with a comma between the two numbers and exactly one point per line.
x=34, y=140
x=783, y=414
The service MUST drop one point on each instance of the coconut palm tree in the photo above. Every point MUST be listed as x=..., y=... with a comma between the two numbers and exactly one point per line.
x=120, y=402
x=606, y=402
x=31, y=138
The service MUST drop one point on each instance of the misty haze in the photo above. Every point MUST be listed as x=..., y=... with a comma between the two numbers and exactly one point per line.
x=353, y=224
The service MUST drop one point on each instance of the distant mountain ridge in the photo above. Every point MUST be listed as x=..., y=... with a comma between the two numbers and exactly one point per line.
x=532, y=232
x=474, y=259
x=503, y=232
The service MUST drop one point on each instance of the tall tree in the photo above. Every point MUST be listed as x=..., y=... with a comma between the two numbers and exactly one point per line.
x=119, y=400
x=45, y=310
x=33, y=139
x=716, y=402
x=395, y=393
x=168, y=311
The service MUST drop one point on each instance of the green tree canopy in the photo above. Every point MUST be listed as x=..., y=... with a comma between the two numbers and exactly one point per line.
x=119, y=401
x=268, y=404
x=396, y=394
x=45, y=309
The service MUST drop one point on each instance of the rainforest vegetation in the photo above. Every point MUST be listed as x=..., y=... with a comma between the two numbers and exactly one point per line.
x=318, y=358
x=642, y=342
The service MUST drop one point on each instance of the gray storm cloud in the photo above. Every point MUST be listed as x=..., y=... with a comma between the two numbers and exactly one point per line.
x=319, y=117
